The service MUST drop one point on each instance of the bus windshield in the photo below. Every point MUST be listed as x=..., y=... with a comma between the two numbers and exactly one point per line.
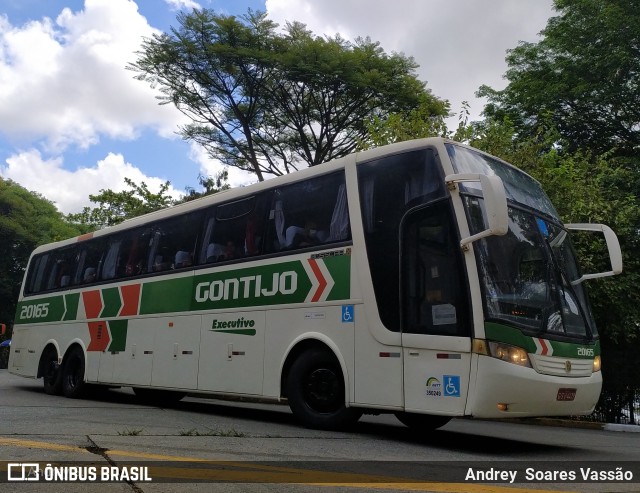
x=528, y=275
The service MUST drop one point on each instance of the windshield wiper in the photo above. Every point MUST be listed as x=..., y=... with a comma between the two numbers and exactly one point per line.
x=563, y=286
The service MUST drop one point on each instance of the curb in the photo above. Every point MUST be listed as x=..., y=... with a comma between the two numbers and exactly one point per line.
x=624, y=428
x=570, y=423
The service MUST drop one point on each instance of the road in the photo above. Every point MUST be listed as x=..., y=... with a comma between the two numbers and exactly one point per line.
x=259, y=447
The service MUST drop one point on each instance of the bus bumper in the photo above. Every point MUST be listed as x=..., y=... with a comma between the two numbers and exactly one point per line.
x=505, y=390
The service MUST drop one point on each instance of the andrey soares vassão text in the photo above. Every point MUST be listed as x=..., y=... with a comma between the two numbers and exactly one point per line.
x=586, y=474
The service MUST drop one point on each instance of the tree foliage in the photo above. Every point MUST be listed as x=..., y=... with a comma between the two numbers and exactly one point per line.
x=583, y=77
x=27, y=220
x=267, y=101
x=426, y=120
x=115, y=207
x=209, y=184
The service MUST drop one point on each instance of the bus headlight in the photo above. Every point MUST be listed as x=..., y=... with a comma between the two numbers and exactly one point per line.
x=597, y=364
x=511, y=354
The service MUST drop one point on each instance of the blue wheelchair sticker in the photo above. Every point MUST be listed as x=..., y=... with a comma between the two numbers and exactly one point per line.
x=451, y=386
x=347, y=313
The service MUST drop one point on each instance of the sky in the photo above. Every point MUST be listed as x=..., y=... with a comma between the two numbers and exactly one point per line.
x=74, y=121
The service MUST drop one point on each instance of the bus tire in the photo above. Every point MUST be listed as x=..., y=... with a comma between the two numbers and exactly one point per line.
x=51, y=375
x=422, y=422
x=315, y=390
x=73, y=384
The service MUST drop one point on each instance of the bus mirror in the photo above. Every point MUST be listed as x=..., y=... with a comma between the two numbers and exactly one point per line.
x=495, y=204
x=613, y=245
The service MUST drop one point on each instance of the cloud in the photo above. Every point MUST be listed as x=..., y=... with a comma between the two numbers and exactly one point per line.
x=459, y=44
x=183, y=4
x=74, y=87
x=211, y=167
x=70, y=190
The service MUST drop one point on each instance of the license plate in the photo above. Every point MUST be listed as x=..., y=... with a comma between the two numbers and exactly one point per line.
x=566, y=394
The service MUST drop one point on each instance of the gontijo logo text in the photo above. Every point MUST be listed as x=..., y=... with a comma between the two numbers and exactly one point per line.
x=247, y=287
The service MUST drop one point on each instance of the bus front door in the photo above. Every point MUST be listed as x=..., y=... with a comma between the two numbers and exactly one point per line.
x=435, y=313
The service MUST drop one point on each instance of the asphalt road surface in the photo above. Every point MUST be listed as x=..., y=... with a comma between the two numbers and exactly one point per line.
x=210, y=445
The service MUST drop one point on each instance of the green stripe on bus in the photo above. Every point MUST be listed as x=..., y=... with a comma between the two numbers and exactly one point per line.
x=340, y=269
x=112, y=302
x=71, y=301
x=118, y=329
x=515, y=337
x=267, y=285
x=42, y=310
x=273, y=284
x=167, y=296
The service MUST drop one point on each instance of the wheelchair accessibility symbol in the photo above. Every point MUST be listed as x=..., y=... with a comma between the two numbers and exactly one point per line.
x=347, y=313
x=451, y=386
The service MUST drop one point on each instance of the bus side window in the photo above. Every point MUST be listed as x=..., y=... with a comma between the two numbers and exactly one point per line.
x=61, y=268
x=310, y=213
x=173, y=243
x=235, y=230
x=110, y=264
x=37, y=274
x=434, y=299
x=89, y=260
x=133, y=256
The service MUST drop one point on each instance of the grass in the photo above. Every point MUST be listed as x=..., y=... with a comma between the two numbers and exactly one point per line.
x=232, y=432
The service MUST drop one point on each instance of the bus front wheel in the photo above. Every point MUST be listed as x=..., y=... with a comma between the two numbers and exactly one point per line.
x=316, y=392
x=73, y=384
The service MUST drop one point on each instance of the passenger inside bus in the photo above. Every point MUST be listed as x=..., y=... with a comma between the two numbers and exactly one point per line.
x=183, y=259
x=297, y=237
x=89, y=275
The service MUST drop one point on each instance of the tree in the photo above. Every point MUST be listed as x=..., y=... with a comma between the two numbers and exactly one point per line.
x=420, y=122
x=27, y=220
x=267, y=102
x=115, y=207
x=583, y=77
x=210, y=185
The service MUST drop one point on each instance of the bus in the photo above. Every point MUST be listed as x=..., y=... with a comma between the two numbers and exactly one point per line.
x=423, y=278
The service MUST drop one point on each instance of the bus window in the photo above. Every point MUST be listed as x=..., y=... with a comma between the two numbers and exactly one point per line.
x=61, y=268
x=433, y=296
x=310, y=213
x=173, y=243
x=235, y=230
x=37, y=268
x=389, y=188
x=89, y=261
x=111, y=260
x=128, y=254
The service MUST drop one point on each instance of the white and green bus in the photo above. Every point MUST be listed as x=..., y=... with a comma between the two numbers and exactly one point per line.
x=425, y=279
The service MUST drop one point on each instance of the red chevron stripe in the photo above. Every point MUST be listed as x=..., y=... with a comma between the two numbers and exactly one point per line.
x=99, y=336
x=130, y=299
x=545, y=347
x=323, y=282
x=92, y=303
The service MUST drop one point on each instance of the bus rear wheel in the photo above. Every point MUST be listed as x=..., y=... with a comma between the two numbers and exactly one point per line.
x=51, y=377
x=422, y=422
x=73, y=384
x=316, y=392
